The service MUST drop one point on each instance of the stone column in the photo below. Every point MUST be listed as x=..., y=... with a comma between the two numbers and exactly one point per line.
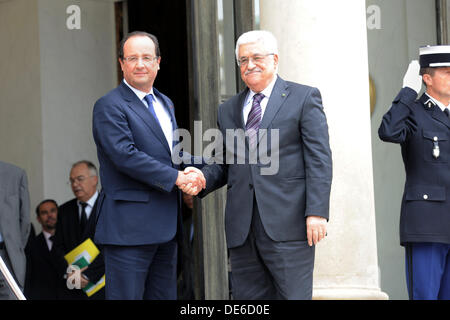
x=321, y=46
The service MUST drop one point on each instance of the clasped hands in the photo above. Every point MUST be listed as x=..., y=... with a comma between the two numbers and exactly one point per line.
x=191, y=181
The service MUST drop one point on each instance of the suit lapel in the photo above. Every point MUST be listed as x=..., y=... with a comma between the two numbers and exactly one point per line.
x=43, y=247
x=92, y=221
x=238, y=110
x=141, y=110
x=169, y=107
x=277, y=97
x=440, y=116
x=436, y=112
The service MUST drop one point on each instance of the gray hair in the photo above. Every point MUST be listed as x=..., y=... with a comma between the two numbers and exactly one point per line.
x=267, y=39
x=89, y=164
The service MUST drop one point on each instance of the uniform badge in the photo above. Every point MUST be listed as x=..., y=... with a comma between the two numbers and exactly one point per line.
x=436, y=151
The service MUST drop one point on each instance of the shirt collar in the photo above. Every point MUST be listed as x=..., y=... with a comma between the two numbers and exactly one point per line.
x=46, y=234
x=266, y=92
x=140, y=94
x=437, y=102
x=91, y=201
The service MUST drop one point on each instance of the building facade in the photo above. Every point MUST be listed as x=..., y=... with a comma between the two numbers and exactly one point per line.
x=60, y=56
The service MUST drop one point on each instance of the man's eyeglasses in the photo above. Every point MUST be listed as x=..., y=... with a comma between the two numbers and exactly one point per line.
x=257, y=58
x=147, y=60
x=79, y=179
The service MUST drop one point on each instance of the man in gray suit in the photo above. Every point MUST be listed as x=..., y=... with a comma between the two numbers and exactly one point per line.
x=14, y=224
x=272, y=220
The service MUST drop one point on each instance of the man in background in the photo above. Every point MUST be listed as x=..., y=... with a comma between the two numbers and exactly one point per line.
x=42, y=276
x=76, y=223
x=14, y=225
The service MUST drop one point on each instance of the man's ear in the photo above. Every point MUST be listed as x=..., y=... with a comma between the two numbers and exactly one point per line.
x=96, y=180
x=121, y=64
x=427, y=79
x=275, y=59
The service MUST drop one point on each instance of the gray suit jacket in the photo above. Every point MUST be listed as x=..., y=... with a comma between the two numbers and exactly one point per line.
x=299, y=188
x=14, y=216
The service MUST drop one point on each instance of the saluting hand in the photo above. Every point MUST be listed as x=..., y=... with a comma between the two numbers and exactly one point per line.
x=412, y=77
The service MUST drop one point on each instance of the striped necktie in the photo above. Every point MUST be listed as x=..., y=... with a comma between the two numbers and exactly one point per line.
x=254, y=120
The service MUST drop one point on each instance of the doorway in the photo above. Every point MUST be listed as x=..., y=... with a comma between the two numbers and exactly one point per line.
x=166, y=20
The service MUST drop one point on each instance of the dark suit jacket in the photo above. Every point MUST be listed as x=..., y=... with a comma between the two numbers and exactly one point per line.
x=67, y=237
x=139, y=203
x=41, y=280
x=419, y=126
x=300, y=187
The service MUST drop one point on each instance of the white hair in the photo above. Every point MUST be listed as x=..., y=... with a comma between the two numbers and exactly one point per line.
x=267, y=39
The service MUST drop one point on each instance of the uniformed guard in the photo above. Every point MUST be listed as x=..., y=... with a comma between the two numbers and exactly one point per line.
x=422, y=128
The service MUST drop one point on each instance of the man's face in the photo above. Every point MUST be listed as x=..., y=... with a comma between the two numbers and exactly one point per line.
x=48, y=213
x=438, y=85
x=82, y=182
x=140, y=74
x=258, y=74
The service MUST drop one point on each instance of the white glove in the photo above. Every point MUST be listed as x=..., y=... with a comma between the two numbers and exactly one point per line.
x=412, y=77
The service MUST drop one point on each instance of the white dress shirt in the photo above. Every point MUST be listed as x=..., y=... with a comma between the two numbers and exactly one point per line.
x=90, y=205
x=249, y=100
x=161, y=112
x=47, y=239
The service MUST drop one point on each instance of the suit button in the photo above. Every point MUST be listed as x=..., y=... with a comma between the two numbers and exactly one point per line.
x=425, y=196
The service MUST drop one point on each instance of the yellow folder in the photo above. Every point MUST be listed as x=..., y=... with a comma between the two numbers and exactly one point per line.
x=82, y=256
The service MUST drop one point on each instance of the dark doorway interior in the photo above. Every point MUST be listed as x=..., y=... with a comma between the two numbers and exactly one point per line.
x=167, y=21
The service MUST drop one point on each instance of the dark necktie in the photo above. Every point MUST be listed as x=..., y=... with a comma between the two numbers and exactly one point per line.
x=83, y=219
x=149, y=99
x=254, y=120
x=447, y=112
x=52, y=241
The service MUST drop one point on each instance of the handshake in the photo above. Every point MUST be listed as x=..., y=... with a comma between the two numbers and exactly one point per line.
x=191, y=181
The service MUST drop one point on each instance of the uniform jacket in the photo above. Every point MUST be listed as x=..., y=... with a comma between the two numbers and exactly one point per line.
x=299, y=188
x=423, y=132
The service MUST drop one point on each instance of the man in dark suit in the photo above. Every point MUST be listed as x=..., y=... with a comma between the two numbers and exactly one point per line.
x=76, y=223
x=422, y=128
x=273, y=217
x=14, y=225
x=41, y=280
x=139, y=207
